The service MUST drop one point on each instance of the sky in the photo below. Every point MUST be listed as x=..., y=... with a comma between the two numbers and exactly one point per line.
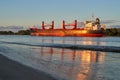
x=33, y=12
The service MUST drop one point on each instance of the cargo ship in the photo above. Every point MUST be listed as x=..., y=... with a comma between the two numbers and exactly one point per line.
x=91, y=29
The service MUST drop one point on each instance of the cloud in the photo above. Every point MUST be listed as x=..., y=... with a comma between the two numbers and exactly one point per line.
x=109, y=21
x=114, y=26
x=11, y=28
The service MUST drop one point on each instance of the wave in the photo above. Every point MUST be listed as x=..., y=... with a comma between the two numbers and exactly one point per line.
x=70, y=46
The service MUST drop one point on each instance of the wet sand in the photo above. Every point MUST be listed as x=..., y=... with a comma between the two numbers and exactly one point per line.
x=11, y=70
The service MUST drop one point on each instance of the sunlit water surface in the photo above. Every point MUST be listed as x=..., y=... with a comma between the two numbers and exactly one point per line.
x=62, y=63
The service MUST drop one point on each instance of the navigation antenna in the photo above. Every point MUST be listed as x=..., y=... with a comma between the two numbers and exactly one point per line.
x=92, y=17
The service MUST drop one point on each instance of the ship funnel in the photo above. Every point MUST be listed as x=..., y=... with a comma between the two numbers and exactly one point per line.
x=97, y=21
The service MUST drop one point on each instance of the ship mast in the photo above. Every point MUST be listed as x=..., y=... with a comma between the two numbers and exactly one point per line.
x=92, y=20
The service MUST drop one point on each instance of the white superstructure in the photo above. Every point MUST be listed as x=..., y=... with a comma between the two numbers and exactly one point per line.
x=93, y=25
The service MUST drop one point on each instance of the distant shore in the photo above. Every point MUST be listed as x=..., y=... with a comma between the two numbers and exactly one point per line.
x=11, y=70
x=109, y=32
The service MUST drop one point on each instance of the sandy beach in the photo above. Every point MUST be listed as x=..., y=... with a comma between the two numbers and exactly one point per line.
x=11, y=70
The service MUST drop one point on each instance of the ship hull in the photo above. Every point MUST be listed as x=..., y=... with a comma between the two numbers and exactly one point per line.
x=71, y=32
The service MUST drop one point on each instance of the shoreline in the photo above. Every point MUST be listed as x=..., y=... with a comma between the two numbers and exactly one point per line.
x=11, y=70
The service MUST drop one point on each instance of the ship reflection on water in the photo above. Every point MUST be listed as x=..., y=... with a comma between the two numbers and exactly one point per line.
x=73, y=64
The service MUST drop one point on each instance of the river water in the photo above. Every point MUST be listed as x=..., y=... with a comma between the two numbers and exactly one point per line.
x=66, y=58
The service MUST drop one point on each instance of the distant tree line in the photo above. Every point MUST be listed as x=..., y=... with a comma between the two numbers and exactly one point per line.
x=109, y=32
x=23, y=32
x=6, y=33
x=20, y=32
x=113, y=32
